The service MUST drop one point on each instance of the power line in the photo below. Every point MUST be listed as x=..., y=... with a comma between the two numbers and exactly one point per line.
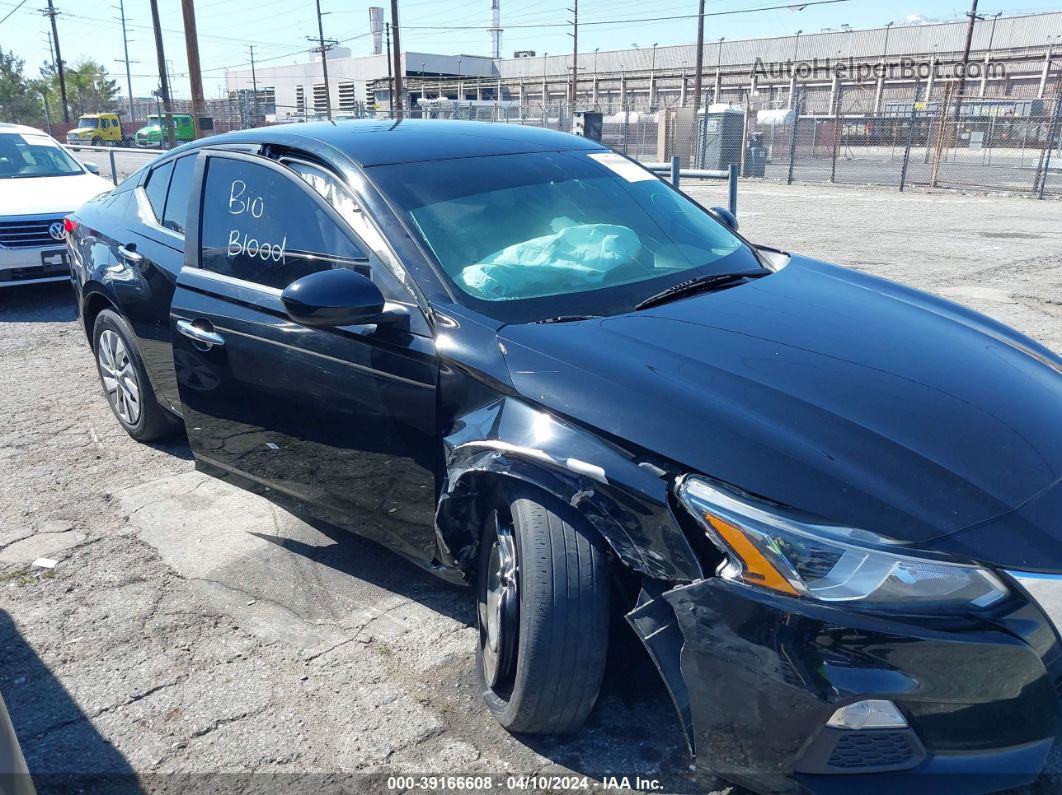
x=12, y=11
x=300, y=51
x=637, y=20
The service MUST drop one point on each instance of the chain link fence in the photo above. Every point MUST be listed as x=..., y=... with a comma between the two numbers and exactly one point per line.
x=1020, y=155
x=975, y=145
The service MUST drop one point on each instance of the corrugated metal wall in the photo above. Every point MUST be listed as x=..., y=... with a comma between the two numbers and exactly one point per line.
x=1018, y=34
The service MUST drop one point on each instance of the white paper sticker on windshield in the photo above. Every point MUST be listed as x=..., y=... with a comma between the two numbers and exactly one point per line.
x=622, y=166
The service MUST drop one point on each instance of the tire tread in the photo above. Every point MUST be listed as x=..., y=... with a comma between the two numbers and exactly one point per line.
x=564, y=619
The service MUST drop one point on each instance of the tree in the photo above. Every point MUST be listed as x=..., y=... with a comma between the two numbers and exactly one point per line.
x=89, y=89
x=19, y=103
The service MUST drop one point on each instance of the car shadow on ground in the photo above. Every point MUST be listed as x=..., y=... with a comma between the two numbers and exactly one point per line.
x=633, y=730
x=633, y=738
x=176, y=445
x=52, y=302
x=364, y=559
x=63, y=750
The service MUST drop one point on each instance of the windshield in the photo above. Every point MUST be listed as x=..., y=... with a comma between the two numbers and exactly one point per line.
x=34, y=156
x=88, y=123
x=531, y=236
x=153, y=121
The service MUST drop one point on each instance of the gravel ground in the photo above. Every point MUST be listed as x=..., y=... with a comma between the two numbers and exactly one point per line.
x=192, y=629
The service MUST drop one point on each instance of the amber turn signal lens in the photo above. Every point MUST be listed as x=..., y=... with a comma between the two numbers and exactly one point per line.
x=757, y=569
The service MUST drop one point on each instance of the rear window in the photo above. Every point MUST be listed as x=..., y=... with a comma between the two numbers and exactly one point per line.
x=158, y=182
x=177, y=197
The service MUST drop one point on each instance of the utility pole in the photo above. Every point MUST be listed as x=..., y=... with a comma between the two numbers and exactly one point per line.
x=164, y=82
x=965, y=58
x=52, y=14
x=254, y=86
x=575, y=50
x=324, y=61
x=47, y=112
x=390, y=83
x=699, y=62
x=125, y=47
x=397, y=55
x=195, y=75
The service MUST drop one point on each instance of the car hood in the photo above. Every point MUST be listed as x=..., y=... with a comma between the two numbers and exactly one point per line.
x=82, y=132
x=58, y=195
x=851, y=397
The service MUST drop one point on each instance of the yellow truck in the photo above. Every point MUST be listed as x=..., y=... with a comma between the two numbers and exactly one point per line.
x=98, y=129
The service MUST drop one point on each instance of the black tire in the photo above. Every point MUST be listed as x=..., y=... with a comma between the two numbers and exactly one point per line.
x=546, y=673
x=152, y=421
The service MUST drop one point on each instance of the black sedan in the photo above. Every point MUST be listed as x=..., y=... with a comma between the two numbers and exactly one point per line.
x=829, y=505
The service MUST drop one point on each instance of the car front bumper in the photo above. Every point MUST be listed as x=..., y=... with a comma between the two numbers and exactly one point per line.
x=756, y=677
x=34, y=265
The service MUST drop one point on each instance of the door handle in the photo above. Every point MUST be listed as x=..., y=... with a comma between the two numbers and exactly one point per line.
x=130, y=253
x=208, y=339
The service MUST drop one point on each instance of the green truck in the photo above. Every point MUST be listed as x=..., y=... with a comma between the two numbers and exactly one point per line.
x=153, y=134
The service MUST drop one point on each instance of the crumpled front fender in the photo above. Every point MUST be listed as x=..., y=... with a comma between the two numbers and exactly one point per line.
x=624, y=499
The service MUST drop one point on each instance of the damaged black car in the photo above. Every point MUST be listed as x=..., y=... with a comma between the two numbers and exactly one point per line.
x=829, y=505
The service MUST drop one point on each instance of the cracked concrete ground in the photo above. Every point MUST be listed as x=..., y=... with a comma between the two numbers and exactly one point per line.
x=192, y=633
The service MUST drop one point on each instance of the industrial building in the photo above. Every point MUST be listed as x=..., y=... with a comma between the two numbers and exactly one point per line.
x=851, y=71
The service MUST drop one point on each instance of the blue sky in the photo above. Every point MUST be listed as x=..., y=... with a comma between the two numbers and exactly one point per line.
x=277, y=28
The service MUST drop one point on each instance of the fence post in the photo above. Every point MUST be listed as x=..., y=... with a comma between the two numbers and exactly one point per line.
x=793, y=135
x=745, y=131
x=836, y=131
x=910, y=138
x=114, y=169
x=675, y=160
x=1052, y=131
x=731, y=188
x=626, y=122
x=941, y=136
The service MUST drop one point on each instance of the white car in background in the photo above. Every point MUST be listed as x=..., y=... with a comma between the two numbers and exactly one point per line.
x=40, y=184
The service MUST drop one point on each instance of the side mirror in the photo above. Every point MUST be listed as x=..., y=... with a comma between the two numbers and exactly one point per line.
x=92, y=167
x=339, y=297
x=725, y=216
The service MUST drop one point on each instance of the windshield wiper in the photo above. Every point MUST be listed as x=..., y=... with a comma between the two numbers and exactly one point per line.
x=567, y=318
x=700, y=284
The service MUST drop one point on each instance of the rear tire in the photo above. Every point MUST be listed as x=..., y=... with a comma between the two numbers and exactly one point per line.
x=125, y=381
x=542, y=597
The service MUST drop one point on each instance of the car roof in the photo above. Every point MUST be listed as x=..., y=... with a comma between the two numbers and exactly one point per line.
x=372, y=142
x=21, y=129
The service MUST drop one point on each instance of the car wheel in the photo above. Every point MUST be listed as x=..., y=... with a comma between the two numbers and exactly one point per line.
x=542, y=598
x=125, y=381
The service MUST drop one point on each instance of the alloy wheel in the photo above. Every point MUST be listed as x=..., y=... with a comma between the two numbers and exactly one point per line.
x=119, y=377
x=499, y=605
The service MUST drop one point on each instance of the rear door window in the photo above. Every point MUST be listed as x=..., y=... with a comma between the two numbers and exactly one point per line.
x=263, y=225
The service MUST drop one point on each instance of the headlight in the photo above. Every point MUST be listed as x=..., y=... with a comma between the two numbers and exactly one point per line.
x=788, y=554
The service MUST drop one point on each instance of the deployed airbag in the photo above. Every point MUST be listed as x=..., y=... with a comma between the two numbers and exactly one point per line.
x=574, y=256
